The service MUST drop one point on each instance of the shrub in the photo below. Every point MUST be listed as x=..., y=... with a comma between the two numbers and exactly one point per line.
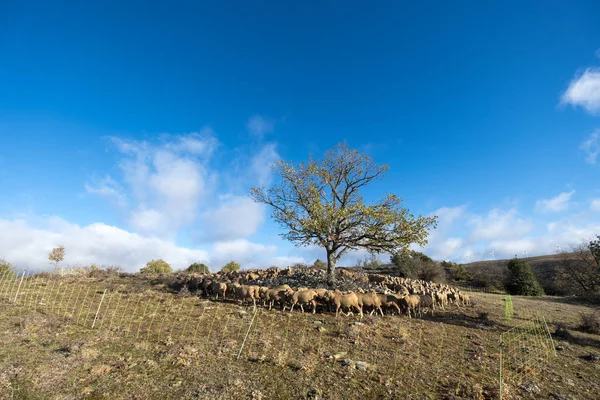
x=416, y=265
x=156, y=267
x=520, y=279
x=198, y=267
x=318, y=264
x=231, y=266
x=456, y=272
x=6, y=268
x=590, y=323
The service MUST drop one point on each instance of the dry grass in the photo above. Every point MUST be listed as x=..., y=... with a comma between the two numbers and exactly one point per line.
x=148, y=344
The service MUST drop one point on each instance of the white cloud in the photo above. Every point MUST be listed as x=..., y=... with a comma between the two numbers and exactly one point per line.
x=262, y=162
x=259, y=126
x=591, y=146
x=595, y=205
x=498, y=224
x=108, y=189
x=555, y=204
x=166, y=182
x=27, y=246
x=246, y=253
x=584, y=90
x=237, y=218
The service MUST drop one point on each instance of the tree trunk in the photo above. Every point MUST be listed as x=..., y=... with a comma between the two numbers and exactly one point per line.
x=330, y=268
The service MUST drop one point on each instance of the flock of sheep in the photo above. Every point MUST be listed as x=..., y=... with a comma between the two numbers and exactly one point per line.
x=401, y=295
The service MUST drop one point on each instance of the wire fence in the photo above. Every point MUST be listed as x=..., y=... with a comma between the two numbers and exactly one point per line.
x=459, y=362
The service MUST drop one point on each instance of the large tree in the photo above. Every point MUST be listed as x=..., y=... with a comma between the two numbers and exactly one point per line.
x=319, y=203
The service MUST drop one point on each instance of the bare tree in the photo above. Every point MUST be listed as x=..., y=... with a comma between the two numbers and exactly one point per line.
x=319, y=203
x=580, y=268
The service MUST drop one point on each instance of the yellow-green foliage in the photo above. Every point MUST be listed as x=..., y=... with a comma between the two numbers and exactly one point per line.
x=156, y=267
x=231, y=267
x=6, y=268
x=198, y=267
x=57, y=255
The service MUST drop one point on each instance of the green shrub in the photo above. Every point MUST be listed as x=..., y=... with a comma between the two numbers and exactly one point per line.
x=6, y=269
x=231, y=266
x=456, y=272
x=416, y=265
x=156, y=267
x=520, y=280
x=198, y=267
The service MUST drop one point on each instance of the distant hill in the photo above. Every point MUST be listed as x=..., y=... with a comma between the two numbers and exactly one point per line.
x=490, y=273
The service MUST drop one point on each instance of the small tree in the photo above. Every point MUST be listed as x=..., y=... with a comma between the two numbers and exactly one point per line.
x=231, y=266
x=520, y=280
x=6, y=269
x=159, y=266
x=198, y=267
x=57, y=255
x=319, y=203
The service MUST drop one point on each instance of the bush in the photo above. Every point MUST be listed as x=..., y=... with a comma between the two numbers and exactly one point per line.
x=590, y=323
x=198, y=267
x=156, y=267
x=6, y=269
x=318, y=264
x=231, y=266
x=520, y=279
x=416, y=265
x=456, y=272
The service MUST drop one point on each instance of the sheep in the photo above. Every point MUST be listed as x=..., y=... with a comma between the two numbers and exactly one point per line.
x=218, y=288
x=304, y=296
x=441, y=299
x=464, y=298
x=345, y=300
x=390, y=300
x=410, y=302
x=277, y=295
x=370, y=300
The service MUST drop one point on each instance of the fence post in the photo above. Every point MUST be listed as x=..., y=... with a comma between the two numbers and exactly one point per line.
x=98, y=310
x=501, y=365
x=19, y=288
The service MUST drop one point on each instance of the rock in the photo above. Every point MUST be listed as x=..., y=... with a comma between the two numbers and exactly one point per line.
x=530, y=388
x=317, y=322
x=592, y=357
x=345, y=361
x=358, y=323
x=362, y=365
x=560, y=348
x=321, y=329
x=569, y=382
x=339, y=355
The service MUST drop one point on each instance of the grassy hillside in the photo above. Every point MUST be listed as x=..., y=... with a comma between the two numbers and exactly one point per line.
x=166, y=344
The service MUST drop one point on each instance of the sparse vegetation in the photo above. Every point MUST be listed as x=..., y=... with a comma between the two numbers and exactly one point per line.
x=199, y=268
x=231, y=266
x=159, y=266
x=590, y=322
x=520, y=280
x=319, y=203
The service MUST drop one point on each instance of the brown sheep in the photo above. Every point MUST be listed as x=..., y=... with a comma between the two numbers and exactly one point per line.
x=370, y=299
x=390, y=300
x=218, y=288
x=410, y=302
x=304, y=296
x=344, y=300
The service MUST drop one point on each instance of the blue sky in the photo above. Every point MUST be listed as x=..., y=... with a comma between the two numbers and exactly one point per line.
x=132, y=132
